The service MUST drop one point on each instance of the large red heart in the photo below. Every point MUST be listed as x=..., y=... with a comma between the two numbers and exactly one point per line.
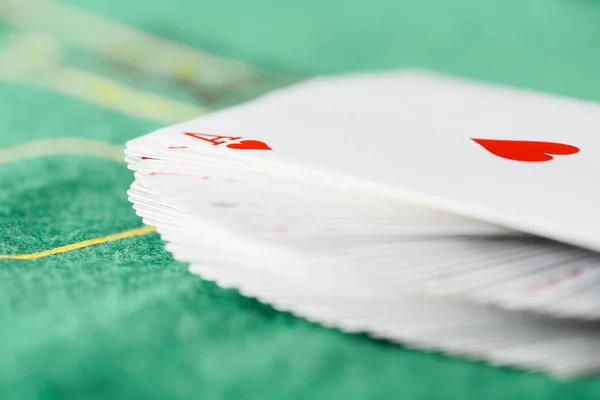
x=526, y=151
x=249, y=145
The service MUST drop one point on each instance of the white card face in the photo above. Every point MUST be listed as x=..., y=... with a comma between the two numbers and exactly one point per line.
x=414, y=134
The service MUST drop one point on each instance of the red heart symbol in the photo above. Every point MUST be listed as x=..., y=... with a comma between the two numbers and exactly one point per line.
x=526, y=151
x=249, y=145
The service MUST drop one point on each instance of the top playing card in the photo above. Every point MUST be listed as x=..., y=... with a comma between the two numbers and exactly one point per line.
x=521, y=159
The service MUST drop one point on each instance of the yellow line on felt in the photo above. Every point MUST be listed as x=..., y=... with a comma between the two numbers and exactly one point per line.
x=109, y=93
x=94, y=88
x=123, y=43
x=86, y=243
x=62, y=146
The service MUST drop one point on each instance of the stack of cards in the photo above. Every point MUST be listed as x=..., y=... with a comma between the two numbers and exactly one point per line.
x=426, y=210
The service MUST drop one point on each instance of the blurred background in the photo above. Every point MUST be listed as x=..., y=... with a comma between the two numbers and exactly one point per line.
x=78, y=78
x=184, y=50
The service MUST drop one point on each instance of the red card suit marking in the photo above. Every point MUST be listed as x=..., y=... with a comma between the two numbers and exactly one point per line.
x=249, y=145
x=526, y=151
x=216, y=140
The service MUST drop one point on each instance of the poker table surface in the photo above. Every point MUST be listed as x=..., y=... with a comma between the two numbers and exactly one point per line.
x=93, y=307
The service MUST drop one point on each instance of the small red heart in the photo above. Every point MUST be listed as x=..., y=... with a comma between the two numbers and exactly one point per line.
x=526, y=151
x=249, y=145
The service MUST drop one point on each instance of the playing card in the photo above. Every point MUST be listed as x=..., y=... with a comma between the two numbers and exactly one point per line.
x=507, y=156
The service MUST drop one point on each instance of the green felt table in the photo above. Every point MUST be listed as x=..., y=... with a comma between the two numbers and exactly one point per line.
x=118, y=317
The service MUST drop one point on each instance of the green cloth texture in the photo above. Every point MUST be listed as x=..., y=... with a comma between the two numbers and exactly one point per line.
x=123, y=320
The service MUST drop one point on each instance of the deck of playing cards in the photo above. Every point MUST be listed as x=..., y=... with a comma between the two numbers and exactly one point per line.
x=427, y=210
